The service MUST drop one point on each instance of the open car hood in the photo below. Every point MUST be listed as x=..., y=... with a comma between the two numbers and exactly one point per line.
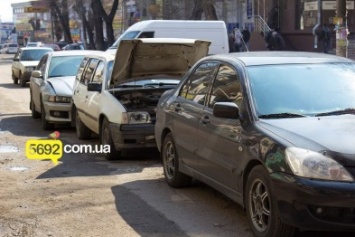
x=139, y=58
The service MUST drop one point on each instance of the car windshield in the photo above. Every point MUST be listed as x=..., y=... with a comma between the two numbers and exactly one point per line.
x=32, y=55
x=284, y=91
x=64, y=66
x=13, y=45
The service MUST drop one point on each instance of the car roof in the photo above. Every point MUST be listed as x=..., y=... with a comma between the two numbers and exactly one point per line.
x=101, y=54
x=35, y=48
x=279, y=57
x=72, y=52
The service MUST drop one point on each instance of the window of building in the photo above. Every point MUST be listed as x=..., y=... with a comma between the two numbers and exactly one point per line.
x=306, y=14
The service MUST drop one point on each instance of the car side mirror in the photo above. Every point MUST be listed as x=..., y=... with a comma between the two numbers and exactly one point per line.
x=226, y=110
x=95, y=87
x=37, y=74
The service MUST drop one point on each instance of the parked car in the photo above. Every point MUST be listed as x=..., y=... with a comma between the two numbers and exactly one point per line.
x=24, y=62
x=120, y=106
x=273, y=131
x=9, y=48
x=55, y=47
x=74, y=46
x=34, y=44
x=51, y=87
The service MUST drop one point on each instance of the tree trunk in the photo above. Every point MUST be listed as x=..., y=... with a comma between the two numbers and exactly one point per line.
x=108, y=18
x=63, y=18
x=81, y=10
x=342, y=31
x=98, y=22
x=209, y=10
x=197, y=10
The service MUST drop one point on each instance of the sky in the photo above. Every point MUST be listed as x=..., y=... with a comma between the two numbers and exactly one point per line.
x=6, y=9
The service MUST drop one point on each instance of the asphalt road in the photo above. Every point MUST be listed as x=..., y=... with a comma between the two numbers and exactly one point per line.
x=85, y=195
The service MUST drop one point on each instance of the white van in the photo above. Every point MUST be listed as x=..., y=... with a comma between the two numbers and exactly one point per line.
x=213, y=31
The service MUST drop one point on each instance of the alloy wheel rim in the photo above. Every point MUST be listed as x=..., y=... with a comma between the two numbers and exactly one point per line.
x=169, y=158
x=259, y=205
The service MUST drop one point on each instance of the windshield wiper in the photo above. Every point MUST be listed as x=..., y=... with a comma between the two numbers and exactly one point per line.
x=160, y=84
x=128, y=86
x=338, y=112
x=281, y=115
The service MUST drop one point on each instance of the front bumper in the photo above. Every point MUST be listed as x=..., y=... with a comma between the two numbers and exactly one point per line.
x=133, y=136
x=58, y=112
x=314, y=204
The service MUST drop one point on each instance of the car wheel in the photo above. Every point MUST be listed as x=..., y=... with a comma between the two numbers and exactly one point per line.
x=82, y=131
x=170, y=159
x=34, y=113
x=261, y=209
x=23, y=81
x=45, y=124
x=106, y=139
x=14, y=78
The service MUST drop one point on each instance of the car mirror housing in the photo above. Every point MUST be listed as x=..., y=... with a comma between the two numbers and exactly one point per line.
x=37, y=74
x=95, y=87
x=226, y=110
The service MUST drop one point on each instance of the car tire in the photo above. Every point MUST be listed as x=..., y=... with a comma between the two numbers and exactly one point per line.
x=45, y=124
x=106, y=139
x=23, y=81
x=34, y=113
x=170, y=159
x=82, y=131
x=261, y=208
x=14, y=78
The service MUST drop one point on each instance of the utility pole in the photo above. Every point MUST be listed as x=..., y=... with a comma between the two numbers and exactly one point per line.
x=341, y=29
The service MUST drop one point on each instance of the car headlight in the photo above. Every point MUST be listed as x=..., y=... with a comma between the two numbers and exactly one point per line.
x=135, y=118
x=59, y=99
x=310, y=164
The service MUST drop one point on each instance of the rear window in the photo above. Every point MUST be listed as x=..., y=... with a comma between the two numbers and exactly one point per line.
x=13, y=45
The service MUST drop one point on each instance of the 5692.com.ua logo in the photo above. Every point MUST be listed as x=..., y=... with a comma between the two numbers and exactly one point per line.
x=53, y=149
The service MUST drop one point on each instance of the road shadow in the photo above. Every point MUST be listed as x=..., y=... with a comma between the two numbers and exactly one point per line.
x=13, y=86
x=77, y=164
x=84, y=164
x=144, y=219
x=22, y=124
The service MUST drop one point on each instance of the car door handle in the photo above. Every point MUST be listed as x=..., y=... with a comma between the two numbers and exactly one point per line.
x=205, y=120
x=177, y=108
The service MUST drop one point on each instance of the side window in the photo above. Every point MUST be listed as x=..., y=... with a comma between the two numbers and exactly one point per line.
x=89, y=71
x=195, y=88
x=226, y=87
x=99, y=73
x=81, y=69
x=42, y=64
x=147, y=34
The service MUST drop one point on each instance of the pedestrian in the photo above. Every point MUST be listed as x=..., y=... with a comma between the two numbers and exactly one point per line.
x=237, y=39
x=246, y=38
x=325, y=37
x=275, y=41
x=231, y=40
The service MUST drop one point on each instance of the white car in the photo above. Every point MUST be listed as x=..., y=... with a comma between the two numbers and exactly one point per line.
x=116, y=96
x=24, y=62
x=51, y=86
x=34, y=44
x=9, y=48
